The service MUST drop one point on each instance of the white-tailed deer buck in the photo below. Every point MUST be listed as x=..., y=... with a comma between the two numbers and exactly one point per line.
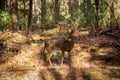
x=63, y=43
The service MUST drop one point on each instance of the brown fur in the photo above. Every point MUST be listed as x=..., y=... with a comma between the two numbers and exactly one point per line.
x=63, y=43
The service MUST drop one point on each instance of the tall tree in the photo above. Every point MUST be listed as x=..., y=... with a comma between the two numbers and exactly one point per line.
x=96, y=15
x=43, y=11
x=113, y=20
x=13, y=21
x=73, y=7
x=112, y=15
x=57, y=11
x=2, y=4
x=25, y=23
x=30, y=15
x=87, y=9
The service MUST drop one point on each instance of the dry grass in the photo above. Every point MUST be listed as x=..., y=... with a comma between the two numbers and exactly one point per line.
x=25, y=65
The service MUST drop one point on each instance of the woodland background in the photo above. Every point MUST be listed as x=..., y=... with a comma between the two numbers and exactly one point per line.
x=25, y=24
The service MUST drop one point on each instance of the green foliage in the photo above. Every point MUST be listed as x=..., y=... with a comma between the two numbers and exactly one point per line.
x=34, y=19
x=103, y=17
x=21, y=20
x=55, y=55
x=4, y=19
x=48, y=19
x=42, y=55
x=87, y=12
x=5, y=38
x=80, y=19
x=105, y=0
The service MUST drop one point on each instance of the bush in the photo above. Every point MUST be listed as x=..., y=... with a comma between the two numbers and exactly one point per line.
x=4, y=20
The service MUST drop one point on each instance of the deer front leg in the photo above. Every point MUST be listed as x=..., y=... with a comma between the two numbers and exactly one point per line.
x=69, y=56
x=49, y=58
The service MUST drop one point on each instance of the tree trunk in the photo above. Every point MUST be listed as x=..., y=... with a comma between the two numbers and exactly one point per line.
x=73, y=6
x=113, y=20
x=56, y=11
x=30, y=16
x=112, y=16
x=2, y=4
x=14, y=15
x=43, y=12
x=25, y=22
x=96, y=16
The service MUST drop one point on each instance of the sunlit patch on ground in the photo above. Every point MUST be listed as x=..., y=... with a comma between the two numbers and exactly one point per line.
x=25, y=64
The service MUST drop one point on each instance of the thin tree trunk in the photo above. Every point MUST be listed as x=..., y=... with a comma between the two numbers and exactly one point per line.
x=30, y=16
x=112, y=15
x=56, y=11
x=113, y=20
x=14, y=15
x=96, y=15
x=73, y=7
x=2, y=4
x=8, y=4
x=25, y=22
x=43, y=12
x=5, y=4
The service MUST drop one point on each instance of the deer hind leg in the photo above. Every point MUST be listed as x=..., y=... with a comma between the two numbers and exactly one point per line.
x=62, y=57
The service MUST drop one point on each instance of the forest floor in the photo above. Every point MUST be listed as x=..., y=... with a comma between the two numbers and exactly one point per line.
x=92, y=58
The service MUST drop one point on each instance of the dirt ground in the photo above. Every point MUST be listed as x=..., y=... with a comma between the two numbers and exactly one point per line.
x=89, y=61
